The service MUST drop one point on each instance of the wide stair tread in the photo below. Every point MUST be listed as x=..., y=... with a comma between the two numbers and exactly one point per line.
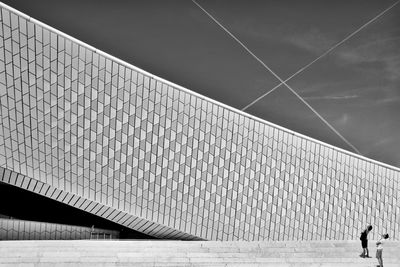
x=192, y=253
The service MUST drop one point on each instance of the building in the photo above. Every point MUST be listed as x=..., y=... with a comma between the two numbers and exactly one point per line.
x=83, y=128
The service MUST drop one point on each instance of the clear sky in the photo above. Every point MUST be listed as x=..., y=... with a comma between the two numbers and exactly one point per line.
x=356, y=87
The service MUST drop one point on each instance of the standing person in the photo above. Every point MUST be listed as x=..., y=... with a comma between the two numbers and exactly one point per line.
x=364, y=242
x=379, y=249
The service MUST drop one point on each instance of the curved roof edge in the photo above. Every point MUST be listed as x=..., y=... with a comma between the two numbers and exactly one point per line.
x=100, y=52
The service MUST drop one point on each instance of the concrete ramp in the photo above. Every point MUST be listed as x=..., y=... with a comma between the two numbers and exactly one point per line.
x=192, y=253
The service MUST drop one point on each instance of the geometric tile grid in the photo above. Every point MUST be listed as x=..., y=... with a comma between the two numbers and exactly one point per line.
x=11, y=229
x=81, y=121
x=120, y=217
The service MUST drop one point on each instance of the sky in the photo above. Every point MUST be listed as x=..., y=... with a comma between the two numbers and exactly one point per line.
x=356, y=87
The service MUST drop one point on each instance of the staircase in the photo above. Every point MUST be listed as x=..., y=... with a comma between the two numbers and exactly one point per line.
x=192, y=253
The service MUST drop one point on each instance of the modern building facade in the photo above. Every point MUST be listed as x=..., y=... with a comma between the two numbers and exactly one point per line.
x=11, y=229
x=86, y=129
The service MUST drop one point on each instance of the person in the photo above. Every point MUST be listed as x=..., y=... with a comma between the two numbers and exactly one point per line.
x=364, y=242
x=379, y=249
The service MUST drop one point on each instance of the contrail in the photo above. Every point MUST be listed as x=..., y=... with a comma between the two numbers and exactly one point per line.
x=322, y=55
x=279, y=78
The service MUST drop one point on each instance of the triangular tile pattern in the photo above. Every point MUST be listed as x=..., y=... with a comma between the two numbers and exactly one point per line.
x=12, y=229
x=85, y=124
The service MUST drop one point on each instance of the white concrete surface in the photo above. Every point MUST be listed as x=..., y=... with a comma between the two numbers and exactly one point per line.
x=192, y=253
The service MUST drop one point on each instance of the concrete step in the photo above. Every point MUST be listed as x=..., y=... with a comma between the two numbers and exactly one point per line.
x=191, y=253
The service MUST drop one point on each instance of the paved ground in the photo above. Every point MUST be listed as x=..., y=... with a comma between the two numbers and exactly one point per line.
x=191, y=253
